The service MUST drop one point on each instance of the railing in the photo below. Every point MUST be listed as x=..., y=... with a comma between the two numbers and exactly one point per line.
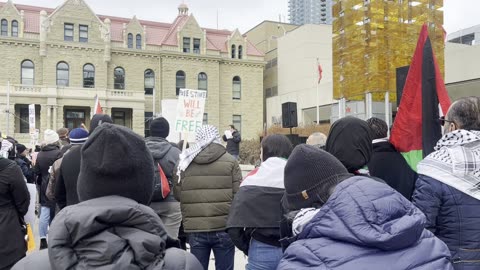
x=71, y=92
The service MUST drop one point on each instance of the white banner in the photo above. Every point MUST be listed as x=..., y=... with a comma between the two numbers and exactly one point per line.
x=31, y=118
x=169, y=110
x=190, y=108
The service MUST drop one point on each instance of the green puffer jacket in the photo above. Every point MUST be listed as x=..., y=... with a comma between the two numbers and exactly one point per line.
x=207, y=188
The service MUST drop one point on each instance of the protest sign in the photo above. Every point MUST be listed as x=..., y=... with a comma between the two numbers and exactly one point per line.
x=190, y=108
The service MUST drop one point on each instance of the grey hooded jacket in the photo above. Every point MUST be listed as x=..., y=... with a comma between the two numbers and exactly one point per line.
x=108, y=233
x=165, y=154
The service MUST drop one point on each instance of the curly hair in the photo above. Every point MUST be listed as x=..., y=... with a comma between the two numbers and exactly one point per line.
x=379, y=127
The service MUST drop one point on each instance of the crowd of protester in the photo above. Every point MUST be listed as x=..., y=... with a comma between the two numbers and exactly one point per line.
x=110, y=199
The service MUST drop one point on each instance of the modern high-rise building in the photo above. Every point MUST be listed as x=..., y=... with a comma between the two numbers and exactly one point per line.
x=310, y=11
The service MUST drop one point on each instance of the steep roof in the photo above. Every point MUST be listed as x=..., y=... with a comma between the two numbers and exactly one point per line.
x=158, y=33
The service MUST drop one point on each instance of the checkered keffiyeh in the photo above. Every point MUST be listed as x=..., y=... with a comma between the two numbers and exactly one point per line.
x=205, y=136
x=456, y=162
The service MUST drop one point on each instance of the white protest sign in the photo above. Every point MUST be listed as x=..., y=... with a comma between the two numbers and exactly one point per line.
x=31, y=118
x=169, y=112
x=190, y=108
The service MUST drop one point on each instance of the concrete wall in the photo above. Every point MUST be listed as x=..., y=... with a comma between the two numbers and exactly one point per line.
x=462, y=72
x=298, y=74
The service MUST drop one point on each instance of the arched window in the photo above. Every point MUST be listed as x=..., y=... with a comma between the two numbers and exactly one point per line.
x=179, y=81
x=149, y=79
x=63, y=74
x=139, y=41
x=202, y=81
x=240, y=51
x=14, y=28
x=4, y=28
x=88, y=76
x=119, y=78
x=237, y=88
x=130, y=41
x=233, y=51
x=28, y=73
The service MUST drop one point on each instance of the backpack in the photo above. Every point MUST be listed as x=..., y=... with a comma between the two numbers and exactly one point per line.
x=161, y=189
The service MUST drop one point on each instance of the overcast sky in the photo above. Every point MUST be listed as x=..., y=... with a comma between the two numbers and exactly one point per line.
x=242, y=14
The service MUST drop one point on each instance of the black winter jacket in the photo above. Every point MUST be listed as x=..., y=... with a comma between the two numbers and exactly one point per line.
x=388, y=164
x=14, y=202
x=45, y=159
x=165, y=154
x=66, y=187
x=26, y=167
x=233, y=144
x=109, y=233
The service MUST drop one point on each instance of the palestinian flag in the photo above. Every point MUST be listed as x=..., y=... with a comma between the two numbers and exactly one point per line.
x=257, y=202
x=417, y=128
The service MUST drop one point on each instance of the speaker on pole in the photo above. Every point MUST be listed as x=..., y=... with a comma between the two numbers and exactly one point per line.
x=289, y=115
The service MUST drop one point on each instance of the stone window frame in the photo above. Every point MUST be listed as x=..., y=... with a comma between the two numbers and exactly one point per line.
x=149, y=90
x=25, y=67
x=180, y=81
x=66, y=29
x=14, y=30
x=3, y=27
x=234, y=48
x=117, y=85
x=236, y=83
x=186, y=44
x=63, y=66
x=196, y=45
x=138, y=42
x=130, y=40
x=202, y=78
x=240, y=51
x=84, y=31
x=85, y=71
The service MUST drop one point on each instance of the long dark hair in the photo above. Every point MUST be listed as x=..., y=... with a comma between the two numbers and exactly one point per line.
x=276, y=146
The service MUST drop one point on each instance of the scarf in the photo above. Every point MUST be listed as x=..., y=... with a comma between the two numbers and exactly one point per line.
x=456, y=162
x=205, y=136
x=302, y=218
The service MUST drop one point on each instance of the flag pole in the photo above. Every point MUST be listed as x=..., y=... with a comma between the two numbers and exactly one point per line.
x=387, y=112
x=318, y=103
x=8, y=107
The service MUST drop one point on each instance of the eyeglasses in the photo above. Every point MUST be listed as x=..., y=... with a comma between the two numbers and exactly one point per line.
x=442, y=121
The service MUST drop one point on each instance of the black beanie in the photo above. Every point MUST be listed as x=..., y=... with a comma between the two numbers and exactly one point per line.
x=159, y=127
x=21, y=148
x=311, y=174
x=99, y=119
x=115, y=161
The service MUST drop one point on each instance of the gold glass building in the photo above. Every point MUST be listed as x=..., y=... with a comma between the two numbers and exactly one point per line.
x=372, y=38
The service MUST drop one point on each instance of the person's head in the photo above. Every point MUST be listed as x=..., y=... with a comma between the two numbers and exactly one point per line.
x=311, y=176
x=232, y=128
x=62, y=133
x=379, y=128
x=463, y=114
x=350, y=141
x=159, y=127
x=38, y=148
x=78, y=136
x=318, y=139
x=50, y=137
x=115, y=161
x=22, y=150
x=207, y=133
x=275, y=146
x=99, y=119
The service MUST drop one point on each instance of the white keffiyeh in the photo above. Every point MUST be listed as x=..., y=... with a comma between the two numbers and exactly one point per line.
x=456, y=162
x=302, y=218
x=205, y=136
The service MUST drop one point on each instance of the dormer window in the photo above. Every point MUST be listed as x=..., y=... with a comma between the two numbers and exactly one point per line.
x=233, y=51
x=14, y=28
x=196, y=45
x=4, y=28
x=139, y=42
x=240, y=52
x=130, y=40
x=186, y=44
x=68, y=32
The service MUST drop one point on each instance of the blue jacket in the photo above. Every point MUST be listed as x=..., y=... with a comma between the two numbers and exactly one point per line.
x=366, y=225
x=452, y=216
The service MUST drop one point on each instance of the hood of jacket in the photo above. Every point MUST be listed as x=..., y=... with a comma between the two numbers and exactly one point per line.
x=210, y=154
x=350, y=141
x=109, y=232
x=384, y=147
x=50, y=147
x=367, y=213
x=158, y=146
